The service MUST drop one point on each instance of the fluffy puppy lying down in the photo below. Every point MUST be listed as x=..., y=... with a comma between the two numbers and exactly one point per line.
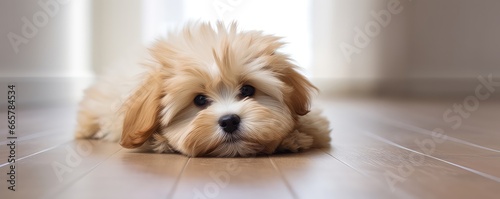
x=210, y=91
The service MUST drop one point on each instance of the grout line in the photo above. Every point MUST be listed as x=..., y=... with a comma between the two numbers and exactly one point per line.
x=74, y=180
x=174, y=187
x=344, y=163
x=374, y=179
x=479, y=129
x=377, y=137
x=33, y=154
x=423, y=117
x=44, y=133
x=38, y=152
x=287, y=184
x=427, y=132
x=419, y=130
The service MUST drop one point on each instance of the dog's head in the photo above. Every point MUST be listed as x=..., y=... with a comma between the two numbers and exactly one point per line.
x=217, y=92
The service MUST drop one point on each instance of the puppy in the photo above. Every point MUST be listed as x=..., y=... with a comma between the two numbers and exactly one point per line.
x=209, y=91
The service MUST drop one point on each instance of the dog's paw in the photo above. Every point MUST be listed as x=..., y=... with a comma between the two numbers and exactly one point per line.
x=86, y=131
x=83, y=134
x=160, y=144
x=107, y=136
x=296, y=142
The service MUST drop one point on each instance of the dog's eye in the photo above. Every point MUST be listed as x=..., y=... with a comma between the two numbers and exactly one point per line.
x=247, y=91
x=200, y=100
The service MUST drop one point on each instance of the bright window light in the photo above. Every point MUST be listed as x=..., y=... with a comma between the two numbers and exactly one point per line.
x=79, y=48
x=288, y=19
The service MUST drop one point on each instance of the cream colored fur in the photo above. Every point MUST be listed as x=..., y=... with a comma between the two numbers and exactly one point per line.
x=153, y=108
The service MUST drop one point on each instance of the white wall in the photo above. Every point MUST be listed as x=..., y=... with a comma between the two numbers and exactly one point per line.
x=455, y=38
x=380, y=57
x=43, y=65
x=432, y=47
x=116, y=34
x=45, y=54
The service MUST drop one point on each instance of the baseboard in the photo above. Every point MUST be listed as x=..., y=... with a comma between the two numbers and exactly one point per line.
x=409, y=87
x=31, y=91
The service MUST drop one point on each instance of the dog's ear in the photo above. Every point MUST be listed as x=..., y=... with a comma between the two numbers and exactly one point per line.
x=141, y=113
x=299, y=98
x=162, y=53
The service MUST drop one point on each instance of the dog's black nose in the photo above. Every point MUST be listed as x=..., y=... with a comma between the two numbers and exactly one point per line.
x=229, y=123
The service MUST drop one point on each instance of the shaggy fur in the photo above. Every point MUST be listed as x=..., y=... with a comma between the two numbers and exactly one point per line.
x=156, y=110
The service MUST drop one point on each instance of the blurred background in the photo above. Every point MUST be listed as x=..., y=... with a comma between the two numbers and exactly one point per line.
x=52, y=49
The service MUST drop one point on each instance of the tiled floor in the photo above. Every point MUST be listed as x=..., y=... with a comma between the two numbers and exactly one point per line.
x=381, y=148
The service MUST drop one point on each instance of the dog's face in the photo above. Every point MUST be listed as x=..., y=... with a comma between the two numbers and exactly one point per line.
x=218, y=93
